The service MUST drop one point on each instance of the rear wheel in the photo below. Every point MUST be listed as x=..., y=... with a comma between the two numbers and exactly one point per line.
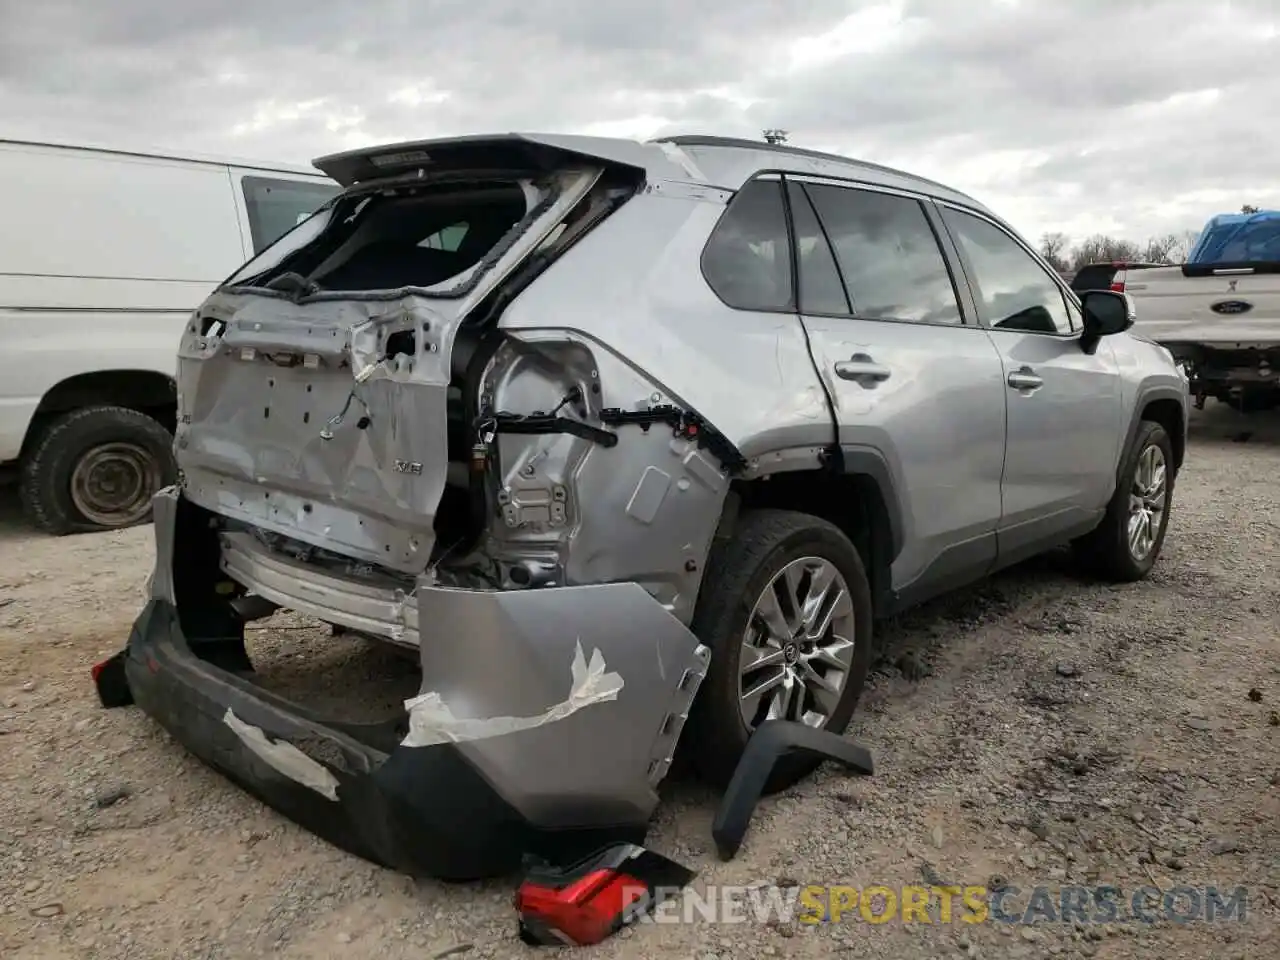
x=1126, y=544
x=786, y=610
x=96, y=468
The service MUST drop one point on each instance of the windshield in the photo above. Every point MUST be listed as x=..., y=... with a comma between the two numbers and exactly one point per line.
x=1239, y=238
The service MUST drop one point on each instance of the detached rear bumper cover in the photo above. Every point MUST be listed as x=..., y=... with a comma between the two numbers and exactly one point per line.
x=546, y=721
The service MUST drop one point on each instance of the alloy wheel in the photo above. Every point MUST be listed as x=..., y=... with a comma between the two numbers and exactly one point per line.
x=798, y=648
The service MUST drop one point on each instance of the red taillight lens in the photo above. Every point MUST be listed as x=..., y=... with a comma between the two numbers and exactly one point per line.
x=587, y=910
x=1117, y=286
x=594, y=898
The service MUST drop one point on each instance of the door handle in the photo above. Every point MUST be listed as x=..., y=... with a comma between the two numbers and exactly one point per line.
x=1024, y=378
x=861, y=368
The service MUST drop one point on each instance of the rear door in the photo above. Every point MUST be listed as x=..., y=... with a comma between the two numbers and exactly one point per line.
x=1063, y=404
x=909, y=377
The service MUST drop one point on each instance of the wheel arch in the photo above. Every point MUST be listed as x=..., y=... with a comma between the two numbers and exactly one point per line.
x=1167, y=406
x=146, y=391
x=859, y=499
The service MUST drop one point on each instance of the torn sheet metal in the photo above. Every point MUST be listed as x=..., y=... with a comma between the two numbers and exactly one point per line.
x=284, y=757
x=432, y=722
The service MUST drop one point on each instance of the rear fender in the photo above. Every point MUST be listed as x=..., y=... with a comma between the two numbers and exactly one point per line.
x=619, y=500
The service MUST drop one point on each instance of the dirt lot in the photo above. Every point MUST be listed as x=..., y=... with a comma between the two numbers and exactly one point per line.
x=1034, y=730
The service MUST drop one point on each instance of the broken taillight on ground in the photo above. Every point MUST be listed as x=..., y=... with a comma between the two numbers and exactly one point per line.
x=111, y=683
x=591, y=900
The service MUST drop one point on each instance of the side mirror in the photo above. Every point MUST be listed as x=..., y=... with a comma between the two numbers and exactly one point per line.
x=1106, y=312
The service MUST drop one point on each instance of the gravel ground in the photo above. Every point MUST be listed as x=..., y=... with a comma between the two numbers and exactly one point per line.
x=1035, y=729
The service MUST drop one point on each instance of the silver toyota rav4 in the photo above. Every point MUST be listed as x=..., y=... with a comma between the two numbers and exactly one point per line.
x=616, y=435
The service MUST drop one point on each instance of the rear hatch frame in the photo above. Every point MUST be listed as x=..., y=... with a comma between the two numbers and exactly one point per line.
x=356, y=462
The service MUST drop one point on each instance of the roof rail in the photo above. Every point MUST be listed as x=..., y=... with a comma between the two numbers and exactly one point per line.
x=700, y=140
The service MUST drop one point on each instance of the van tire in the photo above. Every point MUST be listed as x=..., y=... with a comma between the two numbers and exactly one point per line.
x=738, y=572
x=132, y=446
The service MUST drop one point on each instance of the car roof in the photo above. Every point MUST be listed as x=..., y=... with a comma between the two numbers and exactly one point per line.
x=738, y=160
x=724, y=162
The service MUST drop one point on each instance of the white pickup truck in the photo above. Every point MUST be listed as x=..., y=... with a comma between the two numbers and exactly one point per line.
x=103, y=255
x=1218, y=313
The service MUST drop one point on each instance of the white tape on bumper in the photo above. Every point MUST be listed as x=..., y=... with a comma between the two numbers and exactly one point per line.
x=284, y=757
x=432, y=722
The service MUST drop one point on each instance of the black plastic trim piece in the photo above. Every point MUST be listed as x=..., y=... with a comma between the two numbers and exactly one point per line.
x=532, y=424
x=1145, y=398
x=870, y=462
x=684, y=424
x=770, y=742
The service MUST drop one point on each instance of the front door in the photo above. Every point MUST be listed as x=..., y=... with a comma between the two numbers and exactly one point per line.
x=910, y=380
x=1063, y=404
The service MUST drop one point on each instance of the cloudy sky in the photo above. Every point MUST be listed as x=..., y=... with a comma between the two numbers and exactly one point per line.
x=1132, y=117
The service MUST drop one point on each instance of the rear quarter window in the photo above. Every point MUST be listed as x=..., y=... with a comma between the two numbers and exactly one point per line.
x=747, y=259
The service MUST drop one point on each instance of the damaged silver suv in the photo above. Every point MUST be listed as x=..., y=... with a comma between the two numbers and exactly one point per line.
x=615, y=435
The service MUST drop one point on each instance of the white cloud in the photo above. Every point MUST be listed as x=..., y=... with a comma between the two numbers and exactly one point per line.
x=1080, y=115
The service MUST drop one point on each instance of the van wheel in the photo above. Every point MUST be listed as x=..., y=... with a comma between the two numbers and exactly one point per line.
x=96, y=468
x=1126, y=544
x=785, y=609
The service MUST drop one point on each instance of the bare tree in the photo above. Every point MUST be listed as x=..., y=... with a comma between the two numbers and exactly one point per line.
x=1055, y=248
x=1067, y=258
x=1186, y=240
x=1161, y=249
x=1103, y=249
x=774, y=136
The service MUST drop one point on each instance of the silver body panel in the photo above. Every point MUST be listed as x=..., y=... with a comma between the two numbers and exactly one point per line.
x=605, y=545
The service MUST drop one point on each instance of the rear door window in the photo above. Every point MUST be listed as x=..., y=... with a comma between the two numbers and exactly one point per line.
x=275, y=206
x=887, y=254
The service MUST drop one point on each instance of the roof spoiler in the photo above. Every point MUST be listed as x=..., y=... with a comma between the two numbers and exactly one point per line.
x=535, y=153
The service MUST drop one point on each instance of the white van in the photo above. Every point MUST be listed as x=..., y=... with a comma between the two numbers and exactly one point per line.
x=103, y=256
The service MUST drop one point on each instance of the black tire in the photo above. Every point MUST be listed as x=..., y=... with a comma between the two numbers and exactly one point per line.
x=738, y=571
x=141, y=453
x=1105, y=552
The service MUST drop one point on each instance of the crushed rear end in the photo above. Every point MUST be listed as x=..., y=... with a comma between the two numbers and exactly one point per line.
x=340, y=404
